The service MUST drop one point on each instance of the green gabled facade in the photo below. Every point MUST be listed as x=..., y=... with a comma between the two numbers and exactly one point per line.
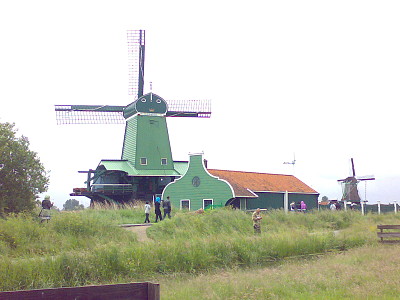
x=199, y=187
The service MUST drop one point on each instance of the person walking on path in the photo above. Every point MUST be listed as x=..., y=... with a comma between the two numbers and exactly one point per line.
x=167, y=208
x=147, y=209
x=157, y=209
x=257, y=221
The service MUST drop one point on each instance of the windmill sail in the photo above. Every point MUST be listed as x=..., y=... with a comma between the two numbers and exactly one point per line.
x=89, y=114
x=136, y=50
x=108, y=114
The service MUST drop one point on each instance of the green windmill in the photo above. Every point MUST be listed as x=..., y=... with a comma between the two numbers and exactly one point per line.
x=146, y=165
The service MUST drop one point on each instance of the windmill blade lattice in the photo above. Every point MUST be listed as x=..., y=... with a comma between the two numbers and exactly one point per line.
x=89, y=114
x=109, y=114
x=136, y=50
x=189, y=108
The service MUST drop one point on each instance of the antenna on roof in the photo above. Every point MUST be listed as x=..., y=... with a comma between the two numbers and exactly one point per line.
x=293, y=162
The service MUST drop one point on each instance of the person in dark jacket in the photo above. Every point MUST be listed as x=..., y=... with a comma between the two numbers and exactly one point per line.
x=157, y=210
x=167, y=208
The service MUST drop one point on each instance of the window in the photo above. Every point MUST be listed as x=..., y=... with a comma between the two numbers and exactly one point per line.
x=207, y=202
x=185, y=204
x=143, y=161
x=164, y=161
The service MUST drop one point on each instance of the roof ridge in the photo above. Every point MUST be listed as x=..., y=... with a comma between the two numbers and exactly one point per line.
x=250, y=172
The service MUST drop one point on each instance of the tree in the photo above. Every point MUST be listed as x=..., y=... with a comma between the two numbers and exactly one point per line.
x=72, y=204
x=22, y=176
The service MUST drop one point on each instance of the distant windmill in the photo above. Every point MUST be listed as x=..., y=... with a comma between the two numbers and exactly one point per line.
x=349, y=185
x=146, y=164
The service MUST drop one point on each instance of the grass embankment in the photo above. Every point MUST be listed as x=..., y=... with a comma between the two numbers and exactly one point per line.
x=89, y=248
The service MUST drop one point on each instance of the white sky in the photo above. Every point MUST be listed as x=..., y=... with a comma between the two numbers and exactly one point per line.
x=316, y=78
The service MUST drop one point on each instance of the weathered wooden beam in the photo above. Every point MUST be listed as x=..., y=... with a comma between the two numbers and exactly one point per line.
x=388, y=234
x=388, y=226
x=128, y=291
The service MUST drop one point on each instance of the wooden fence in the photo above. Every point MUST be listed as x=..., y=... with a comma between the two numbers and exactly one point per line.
x=128, y=291
x=389, y=236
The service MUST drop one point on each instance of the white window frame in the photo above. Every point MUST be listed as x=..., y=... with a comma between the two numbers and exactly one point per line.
x=212, y=202
x=143, y=164
x=166, y=161
x=184, y=200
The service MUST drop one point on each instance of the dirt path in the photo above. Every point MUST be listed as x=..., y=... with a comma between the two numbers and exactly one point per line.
x=140, y=231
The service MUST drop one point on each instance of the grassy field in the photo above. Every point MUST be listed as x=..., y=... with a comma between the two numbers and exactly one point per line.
x=216, y=253
x=368, y=272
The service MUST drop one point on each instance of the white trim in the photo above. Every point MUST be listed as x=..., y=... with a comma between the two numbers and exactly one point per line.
x=212, y=202
x=180, y=203
x=205, y=169
x=166, y=161
x=255, y=195
x=140, y=161
x=280, y=192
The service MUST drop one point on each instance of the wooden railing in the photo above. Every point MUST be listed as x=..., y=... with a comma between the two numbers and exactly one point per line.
x=131, y=291
x=389, y=236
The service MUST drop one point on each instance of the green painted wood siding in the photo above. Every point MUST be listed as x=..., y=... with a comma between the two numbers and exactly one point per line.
x=209, y=188
x=129, y=148
x=275, y=200
x=147, y=137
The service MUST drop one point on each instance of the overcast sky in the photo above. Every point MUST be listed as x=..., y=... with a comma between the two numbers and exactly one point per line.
x=318, y=79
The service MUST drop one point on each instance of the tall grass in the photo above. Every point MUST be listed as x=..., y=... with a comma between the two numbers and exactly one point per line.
x=88, y=247
x=368, y=272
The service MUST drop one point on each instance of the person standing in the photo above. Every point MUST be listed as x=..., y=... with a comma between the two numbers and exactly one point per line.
x=44, y=214
x=303, y=206
x=167, y=208
x=257, y=221
x=157, y=209
x=147, y=209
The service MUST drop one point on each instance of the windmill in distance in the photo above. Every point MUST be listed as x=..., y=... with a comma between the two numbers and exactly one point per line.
x=146, y=165
x=349, y=185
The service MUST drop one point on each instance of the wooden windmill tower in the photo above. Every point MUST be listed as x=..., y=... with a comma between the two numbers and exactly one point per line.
x=146, y=165
x=349, y=186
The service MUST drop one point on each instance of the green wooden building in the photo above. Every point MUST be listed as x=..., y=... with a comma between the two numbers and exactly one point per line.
x=200, y=187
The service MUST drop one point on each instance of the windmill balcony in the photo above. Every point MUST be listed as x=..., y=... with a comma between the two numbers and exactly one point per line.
x=110, y=188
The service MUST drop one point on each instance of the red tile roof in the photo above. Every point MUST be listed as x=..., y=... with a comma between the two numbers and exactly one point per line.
x=245, y=182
